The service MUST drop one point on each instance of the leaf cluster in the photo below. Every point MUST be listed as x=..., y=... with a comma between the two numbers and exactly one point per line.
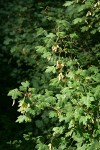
x=56, y=48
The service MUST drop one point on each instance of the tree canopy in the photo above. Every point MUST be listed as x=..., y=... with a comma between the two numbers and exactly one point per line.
x=53, y=51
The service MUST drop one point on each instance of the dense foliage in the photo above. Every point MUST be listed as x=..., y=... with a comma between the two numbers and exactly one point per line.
x=53, y=48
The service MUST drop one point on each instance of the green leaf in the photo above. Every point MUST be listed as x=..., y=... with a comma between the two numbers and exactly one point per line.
x=25, y=84
x=94, y=145
x=70, y=75
x=61, y=34
x=51, y=35
x=84, y=119
x=23, y=118
x=73, y=36
x=84, y=28
x=97, y=91
x=68, y=3
x=86, y=100
x=14, y=94
x=46, y=55
x=52, y=114
x=81, y=7
x=50, y=69
x=40, y=49
x=41, y=31
x=58, y=130
x=77, y=20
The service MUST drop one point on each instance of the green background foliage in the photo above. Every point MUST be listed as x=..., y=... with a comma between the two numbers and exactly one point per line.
x=52, y=53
